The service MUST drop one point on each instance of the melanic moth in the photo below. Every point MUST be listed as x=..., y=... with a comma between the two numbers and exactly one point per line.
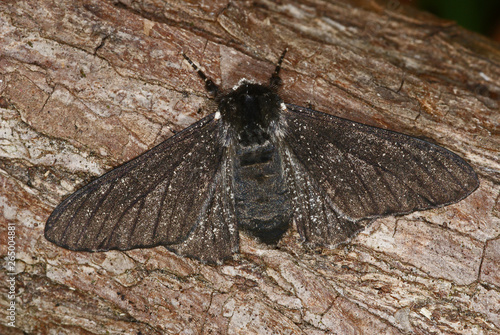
x=261, y=166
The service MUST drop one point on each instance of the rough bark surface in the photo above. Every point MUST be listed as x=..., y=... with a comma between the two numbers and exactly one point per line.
x=87, y=85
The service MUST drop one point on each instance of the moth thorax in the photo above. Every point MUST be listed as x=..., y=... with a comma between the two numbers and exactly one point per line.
x=250, y=108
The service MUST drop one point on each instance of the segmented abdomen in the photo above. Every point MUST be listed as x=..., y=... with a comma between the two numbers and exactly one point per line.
x=261, y=194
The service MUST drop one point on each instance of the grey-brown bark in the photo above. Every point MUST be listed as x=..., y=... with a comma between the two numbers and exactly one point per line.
x=88, y=85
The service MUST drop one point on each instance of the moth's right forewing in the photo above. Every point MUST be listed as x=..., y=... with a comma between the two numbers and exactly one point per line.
x=368, y=172
x=158, y=198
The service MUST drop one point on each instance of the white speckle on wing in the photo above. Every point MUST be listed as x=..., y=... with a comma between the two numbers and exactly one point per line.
x=217, y=115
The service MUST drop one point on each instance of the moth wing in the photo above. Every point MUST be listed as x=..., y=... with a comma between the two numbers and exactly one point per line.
x=316, y=217
x=171, y=196
x=360, y=172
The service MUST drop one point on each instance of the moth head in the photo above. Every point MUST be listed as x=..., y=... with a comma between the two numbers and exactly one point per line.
x=250, y=105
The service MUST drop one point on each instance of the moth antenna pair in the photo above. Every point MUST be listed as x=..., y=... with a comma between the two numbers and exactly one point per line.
x=274, y=82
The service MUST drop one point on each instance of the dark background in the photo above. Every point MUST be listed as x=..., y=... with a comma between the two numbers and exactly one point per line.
x=482, y=16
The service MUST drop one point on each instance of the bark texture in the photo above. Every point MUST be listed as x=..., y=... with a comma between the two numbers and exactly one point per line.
x=87, y=85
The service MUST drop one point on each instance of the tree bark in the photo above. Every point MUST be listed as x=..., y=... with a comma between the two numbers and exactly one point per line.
x=87, y=85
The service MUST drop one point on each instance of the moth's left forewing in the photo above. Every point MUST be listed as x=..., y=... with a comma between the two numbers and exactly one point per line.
x=347, y=172
x=173, y=195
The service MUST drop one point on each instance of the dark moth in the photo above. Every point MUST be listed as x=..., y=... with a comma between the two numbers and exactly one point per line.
x=261, y=166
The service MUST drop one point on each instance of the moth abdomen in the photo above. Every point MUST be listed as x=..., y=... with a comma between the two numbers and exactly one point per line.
x=262, y=198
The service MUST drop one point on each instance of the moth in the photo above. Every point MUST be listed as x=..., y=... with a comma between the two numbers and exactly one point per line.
x=261, y=166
